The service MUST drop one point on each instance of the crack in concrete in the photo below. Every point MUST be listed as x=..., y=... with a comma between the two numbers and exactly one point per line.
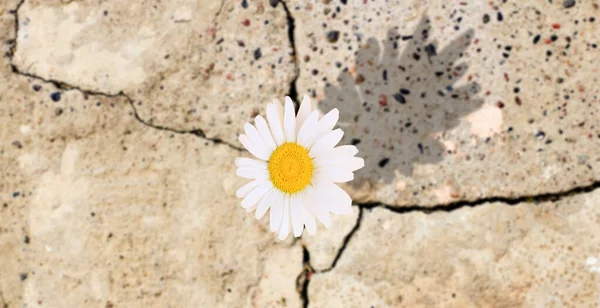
x=510, y=201
x=345, y=242
x=61, y=85
x=68, y=87
x=303, y=279
x=13, y=47
x=293, y=91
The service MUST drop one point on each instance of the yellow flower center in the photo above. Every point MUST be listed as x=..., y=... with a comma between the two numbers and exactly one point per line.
x=290, y=167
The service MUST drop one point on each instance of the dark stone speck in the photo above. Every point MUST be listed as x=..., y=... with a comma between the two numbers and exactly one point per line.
x=430, y=49
x=536, y=39
x=23, y=276
x=567, y=4
x=486, y=18
x=540, y=135
x=333, y=36
x=400, y=98
x=257, y=54
x=36, y=87
x=500, y=16
x=244, y=4
x=383, y=162
x=55, y=96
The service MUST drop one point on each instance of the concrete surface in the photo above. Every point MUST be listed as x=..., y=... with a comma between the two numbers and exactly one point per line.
x=478, y=122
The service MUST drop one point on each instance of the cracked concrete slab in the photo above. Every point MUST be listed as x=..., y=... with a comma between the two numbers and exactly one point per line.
x=187, y=65
x=457, y=101
x=126, y=199
x=494, y=255
x=325, y=246
x=98, y=209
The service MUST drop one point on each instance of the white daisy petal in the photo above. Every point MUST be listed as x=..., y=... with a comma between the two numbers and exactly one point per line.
x=350, y=163
x=317, y=208
x=327, y=123
x=289, y=120
x=251, y=163
x=332, y=174
x=309, y=219
x=252, y=173
x=256, y=194
x=335, y=155
x=257, y=141
x=274, y=115
x=307, y=132
x=284, y=229
x=303, y=112
x=326, y=143
x=256, y=150
x=293, y=212
x=353, y=163
x=265, y=133
x=254, y=136
x=244, y=190
x=251, y=208
x=336, y=199
x=296, y=215
x=276, y=215
x=264, y=204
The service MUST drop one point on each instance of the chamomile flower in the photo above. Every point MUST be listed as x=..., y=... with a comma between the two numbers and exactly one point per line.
x=296, y=168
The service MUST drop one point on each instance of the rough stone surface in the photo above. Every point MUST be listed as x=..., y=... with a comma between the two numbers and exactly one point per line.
x=494, y=255
x=99, y=209
x=446, y=107
x=326, y=244
x=188, y=65
x=103, y=204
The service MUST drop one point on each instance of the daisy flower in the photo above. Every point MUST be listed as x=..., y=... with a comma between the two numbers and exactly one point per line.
x=296, y=168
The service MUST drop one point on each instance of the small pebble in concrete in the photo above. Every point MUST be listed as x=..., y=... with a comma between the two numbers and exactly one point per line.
x=567, y=4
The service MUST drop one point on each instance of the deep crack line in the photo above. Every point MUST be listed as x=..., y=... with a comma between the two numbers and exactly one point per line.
x=67, y=87
x=511, y=201
x=293, y=91
x=345, y=242
x=13, y=47
x=196, y=132
x=303, y=278
x=536, y=199
x=61, y=85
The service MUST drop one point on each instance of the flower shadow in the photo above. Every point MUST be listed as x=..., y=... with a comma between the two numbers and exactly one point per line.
x=394, y=107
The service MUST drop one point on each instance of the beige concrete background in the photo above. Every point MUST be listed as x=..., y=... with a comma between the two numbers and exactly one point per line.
x=478, y=121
